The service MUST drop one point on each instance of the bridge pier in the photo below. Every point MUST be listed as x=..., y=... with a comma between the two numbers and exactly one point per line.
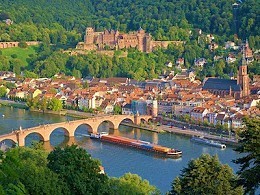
x=21, y=140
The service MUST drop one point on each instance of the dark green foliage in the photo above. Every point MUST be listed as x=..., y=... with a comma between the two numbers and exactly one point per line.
x=4, y=16
x=157, y=17
x=69, y=170
x=22, y=44
x=250, y=163
x=25, y=170
x=206, y=175
x=78, y=170
x=14, y=55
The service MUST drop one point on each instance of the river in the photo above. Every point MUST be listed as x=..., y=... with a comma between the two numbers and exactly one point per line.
x=118, y=160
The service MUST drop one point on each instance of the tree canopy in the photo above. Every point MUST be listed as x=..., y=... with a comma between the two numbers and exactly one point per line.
x=24, y=171
x=78, y=170
x=69, y=170
x=250, y=162
x=206, y=175
x=160, y=17
x=131, y=184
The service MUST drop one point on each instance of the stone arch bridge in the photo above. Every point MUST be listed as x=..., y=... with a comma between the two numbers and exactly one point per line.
x=44, y=131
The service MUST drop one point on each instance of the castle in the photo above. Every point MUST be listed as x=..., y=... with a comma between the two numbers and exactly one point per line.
x=113, y=39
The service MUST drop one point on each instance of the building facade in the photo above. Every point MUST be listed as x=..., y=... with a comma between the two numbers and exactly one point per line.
x=113, y=39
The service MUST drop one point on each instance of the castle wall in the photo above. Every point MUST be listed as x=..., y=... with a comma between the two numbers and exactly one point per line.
x=8, y=44
x=139, y=39
x=15, y=44
x=164, y=44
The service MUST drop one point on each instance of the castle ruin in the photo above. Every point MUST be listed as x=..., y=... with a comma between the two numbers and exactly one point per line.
x=114, y=40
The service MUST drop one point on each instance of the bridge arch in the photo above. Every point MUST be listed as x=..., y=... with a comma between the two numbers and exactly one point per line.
x=7, y=143
x=127, y=120
x=32, y=136
x=64, y=130
x=145, y=119
x=59, y=129
x=109, y=124
x=82, y=127
x=59, y=135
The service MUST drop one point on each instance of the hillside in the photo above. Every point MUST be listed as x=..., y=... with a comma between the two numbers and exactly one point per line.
x=156, y=16
x=60, y=24
x=23, y=54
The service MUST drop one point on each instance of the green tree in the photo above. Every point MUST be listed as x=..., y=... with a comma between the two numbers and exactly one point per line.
x=250, y=163
x=29, y=74
x=3, y=91
x=43, y=104
x=55, y=104
x=117, y=109
x=131, y=184
x=10, y=85
x=258, y=105
x=206, y=175
x=22, y=44
x=76, y=167
x=76, y=73
x=5, y=37
x=15, y=189
x=24, y=169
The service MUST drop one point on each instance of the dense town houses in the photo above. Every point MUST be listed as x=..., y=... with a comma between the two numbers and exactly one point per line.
x=214, y=101
x=170, y=96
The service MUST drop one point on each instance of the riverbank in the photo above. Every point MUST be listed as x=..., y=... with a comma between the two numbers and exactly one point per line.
x=62, y=112
x=186, y=132
x=156, y=130
x=78, y=114
x=13, y=104
x=190, y=133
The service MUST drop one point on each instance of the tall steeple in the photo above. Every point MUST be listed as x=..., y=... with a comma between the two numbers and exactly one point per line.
x=242, y=76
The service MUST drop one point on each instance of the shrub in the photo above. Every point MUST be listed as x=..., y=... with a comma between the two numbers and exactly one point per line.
x=22, y=44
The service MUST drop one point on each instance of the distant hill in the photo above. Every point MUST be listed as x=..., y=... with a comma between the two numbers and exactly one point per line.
x=156, y=16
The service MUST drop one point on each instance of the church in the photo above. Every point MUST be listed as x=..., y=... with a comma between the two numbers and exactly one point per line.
x=223, y=87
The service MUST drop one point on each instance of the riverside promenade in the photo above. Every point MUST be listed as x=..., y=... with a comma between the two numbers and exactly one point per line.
x=186, y=132
x=190, y=133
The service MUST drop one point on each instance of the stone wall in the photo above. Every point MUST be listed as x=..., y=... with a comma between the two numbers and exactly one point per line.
x=4, y=45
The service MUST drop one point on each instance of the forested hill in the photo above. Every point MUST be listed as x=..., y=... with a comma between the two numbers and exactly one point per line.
x=71, y=14
x=156, y=16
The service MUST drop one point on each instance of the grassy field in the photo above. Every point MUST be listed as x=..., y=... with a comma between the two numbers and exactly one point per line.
x=22, y=53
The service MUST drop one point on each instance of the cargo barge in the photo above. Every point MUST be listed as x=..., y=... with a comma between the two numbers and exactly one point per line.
x=143, y=145
x=209, y=142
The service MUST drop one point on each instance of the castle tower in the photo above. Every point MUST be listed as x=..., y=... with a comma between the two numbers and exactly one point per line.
x=147, y=43
x=242, y=77
x=141, y=39
x=89, y=37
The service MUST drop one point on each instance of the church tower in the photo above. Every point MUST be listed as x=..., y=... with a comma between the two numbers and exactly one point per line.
x=242, y=77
